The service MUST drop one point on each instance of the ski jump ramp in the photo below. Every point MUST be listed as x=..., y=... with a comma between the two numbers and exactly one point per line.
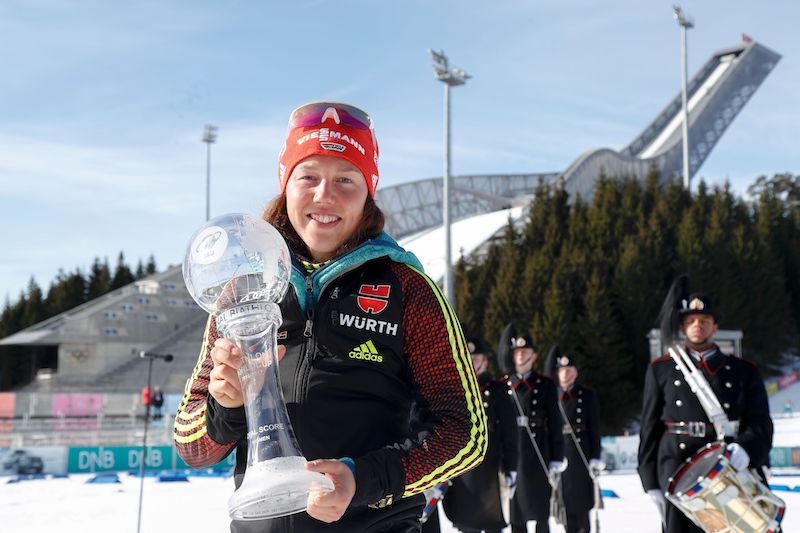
x=716, y=94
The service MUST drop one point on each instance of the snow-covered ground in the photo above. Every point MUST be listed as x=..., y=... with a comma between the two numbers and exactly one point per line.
x=72, y=505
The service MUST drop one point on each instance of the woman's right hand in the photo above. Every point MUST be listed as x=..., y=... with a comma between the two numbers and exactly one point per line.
x=224, y=383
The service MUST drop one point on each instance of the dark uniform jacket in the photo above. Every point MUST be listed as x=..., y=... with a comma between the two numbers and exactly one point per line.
x=375, y=369
x=539, y=399
x=668, y=400
x=473, y=502
x=583, y=413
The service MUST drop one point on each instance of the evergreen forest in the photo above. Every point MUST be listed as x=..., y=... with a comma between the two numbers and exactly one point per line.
x=68, y=290
x=590, y=276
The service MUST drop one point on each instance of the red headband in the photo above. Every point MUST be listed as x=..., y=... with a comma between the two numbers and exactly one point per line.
x=330, y=135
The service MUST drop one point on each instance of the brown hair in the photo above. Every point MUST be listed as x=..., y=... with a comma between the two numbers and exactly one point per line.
x=371, y=225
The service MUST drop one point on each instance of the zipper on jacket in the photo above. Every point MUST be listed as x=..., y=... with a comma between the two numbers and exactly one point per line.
x=308, y=331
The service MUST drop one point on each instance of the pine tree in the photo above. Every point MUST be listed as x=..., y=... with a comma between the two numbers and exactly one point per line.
x=65, y=292
x=766, y=315
x=546, y=230
x=151, y=269
x=34, y=307
x=140, y=272
x=777, y=216
x=640, y=279
x=464, y=304
x=99, y=279
x=606, y=364
x=691, y=247
x=122, y=274
x=556, y=322
x=502, y=304
x=483, y=276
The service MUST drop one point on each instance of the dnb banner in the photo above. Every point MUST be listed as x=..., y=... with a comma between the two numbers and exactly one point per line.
x=121, y=458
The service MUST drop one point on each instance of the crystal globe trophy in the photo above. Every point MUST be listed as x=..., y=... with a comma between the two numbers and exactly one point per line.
x=237, y=268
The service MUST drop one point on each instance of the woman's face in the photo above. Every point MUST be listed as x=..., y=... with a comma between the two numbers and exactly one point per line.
x=325, y=198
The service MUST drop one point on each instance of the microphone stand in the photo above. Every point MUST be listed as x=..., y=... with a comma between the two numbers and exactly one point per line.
x=150, y=358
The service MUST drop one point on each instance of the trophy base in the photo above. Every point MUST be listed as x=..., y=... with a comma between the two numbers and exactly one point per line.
x=276, y=487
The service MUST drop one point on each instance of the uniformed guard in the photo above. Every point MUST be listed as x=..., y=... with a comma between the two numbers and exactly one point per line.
x=674, y=425
x=580, y=411
x=539, y=465
x=473, y=503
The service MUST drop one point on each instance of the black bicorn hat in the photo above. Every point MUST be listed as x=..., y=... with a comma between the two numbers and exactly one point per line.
x=556, y=359
x=680, y=302
x=476, y=345
x=523, y=341
x=565, y=360
x=697, y=304
x=509, y=341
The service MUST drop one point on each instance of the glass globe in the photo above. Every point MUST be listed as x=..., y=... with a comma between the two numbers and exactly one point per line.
x=236, y=259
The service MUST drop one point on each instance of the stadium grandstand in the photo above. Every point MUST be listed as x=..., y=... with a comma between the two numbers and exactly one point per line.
x=85, y=368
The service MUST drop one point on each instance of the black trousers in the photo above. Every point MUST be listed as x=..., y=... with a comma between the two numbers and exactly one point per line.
x=677, y=522
x=541, y=527
x=578, y=523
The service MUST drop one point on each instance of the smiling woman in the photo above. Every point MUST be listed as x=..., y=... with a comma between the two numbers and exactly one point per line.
x=378, y=381
x=332, y=193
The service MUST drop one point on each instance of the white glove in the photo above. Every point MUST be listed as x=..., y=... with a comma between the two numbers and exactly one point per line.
x=739, y=457
x=511, y=481
x=555, y=469
x=658, y=498
x=597, y=465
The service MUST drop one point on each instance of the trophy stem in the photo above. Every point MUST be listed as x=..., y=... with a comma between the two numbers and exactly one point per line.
x=276, y=482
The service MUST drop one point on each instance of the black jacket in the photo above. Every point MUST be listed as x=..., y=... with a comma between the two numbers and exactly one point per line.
x=583, y=413
x=473, y=502
x=539, y=399
x=376, y=369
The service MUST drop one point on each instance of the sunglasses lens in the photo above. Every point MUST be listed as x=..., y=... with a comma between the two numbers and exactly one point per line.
x=318, y=112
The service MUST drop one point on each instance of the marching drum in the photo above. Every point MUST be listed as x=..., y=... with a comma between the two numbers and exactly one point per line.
x=719, y=499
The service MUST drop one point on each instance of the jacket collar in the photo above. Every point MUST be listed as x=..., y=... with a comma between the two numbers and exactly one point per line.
x=527, y=380
x=712, y=362
x=568, y=393
x=381, y=246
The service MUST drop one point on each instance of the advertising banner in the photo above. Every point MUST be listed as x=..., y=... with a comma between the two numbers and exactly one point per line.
x=77, y=404
x=123, y=458
x=7, y=401
x=788, y=379
x=620, y=453
x=33, y=460
x=772, y=387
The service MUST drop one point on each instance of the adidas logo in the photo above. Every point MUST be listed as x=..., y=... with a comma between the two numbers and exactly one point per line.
x=366, y=352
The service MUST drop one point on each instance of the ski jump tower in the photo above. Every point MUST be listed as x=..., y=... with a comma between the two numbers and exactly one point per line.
x=716, y=94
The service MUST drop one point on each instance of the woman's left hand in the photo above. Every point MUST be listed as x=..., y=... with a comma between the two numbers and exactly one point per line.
x=330, y=506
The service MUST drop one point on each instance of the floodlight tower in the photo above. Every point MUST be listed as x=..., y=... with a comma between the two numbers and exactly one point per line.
x=209, y=137
x=685, y=23
x=450, y=77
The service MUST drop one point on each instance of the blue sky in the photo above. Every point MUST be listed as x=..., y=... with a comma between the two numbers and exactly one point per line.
x=103, y=103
